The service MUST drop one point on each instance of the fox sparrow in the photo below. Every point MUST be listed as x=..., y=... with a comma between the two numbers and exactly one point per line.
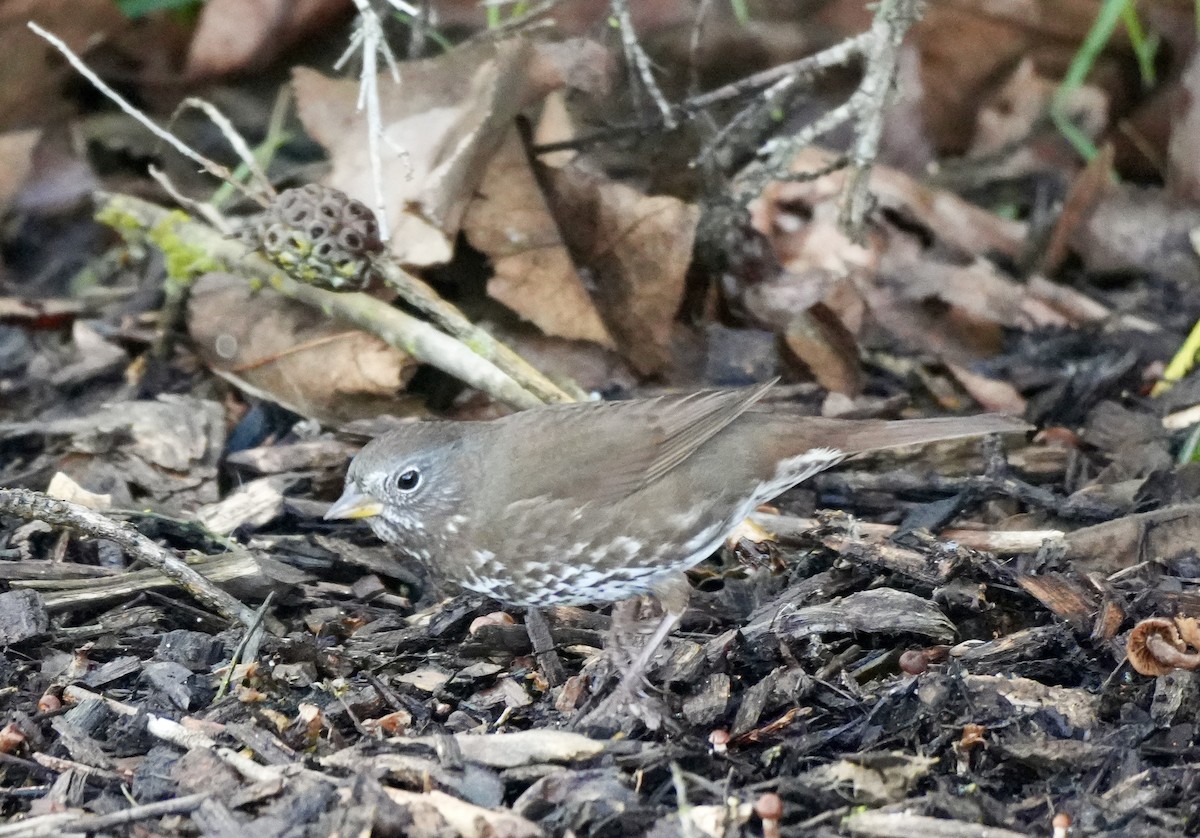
x=596, y=502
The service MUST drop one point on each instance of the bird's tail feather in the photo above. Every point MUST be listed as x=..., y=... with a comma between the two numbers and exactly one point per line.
x=860, y=436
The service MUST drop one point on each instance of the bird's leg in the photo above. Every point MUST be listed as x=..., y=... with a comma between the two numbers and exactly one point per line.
x=632, y=676
x=673, y=595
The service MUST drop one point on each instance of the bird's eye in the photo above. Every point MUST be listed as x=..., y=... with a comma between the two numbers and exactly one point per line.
x=408, y=480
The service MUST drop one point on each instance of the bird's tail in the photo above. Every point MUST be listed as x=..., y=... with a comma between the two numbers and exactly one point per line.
x=859, y=436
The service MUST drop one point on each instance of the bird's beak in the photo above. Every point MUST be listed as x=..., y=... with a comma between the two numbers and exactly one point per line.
x=354, y=504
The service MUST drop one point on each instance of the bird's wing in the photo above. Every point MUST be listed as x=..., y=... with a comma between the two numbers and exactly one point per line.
x=681, y=425
x=606, y=452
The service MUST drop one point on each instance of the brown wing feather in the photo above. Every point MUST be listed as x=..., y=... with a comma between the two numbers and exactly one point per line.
x=608, y=461
x=685, y=424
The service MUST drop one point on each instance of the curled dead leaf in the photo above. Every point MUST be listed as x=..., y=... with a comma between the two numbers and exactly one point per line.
x=510, y=222
x=233, y=35
x=441, y=127
x=637, y=249
x=818, y=339
x=293, y=355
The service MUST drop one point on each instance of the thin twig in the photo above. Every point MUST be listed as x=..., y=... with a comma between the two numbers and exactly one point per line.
x=368, y=36
x=892, y=20
x=526, y=20
x=794, y=73
x=803, y=69
x=236, y=140
x=247, y=648
x=451, y=320
x=213, y=168
x=35, y=506
x=780, y=151
x=202, y=208
x=697, y=37
x=866, y=107
x=410, y=335
x=637, y=60
x=63, y=823
x=276, y=137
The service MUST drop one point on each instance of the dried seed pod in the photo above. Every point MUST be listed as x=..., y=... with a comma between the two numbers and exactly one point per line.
x=318, y=235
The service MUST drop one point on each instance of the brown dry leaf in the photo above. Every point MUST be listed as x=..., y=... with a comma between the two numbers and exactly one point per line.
x=555, y=125
x=968, y=47
x=950, y=333
x=818, y=338
x=991, y=393
x=637, y=249
x=577, y=64
x=1183, y=150
x=934, y=291
x=534, y=275
x=1135, y=229
x=234, y=35
x=821, y=264
x=954, y=223
x=16, y=160
x=292, y=354
x=1012, y=124
x=824, y=270
x=32, y=74
x=1071, y=304
x=448, y=115
x=979, y=289
x=1087, y=190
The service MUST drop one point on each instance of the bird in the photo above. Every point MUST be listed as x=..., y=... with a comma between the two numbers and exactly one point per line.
x=596, y=502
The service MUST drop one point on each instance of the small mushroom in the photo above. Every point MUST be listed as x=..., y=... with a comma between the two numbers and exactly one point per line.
x=913, y=662
x=495, y=618
x=972, y=736
x=49, y=703
x=1189, y=630
x=769, y=808
x=1155, y=647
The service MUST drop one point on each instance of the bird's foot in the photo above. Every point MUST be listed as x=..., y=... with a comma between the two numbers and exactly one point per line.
x=628, y=704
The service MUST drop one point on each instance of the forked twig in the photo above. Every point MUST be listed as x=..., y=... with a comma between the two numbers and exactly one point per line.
x=35, y=506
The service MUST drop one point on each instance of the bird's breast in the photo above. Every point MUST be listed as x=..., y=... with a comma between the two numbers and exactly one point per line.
x=548, y=552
